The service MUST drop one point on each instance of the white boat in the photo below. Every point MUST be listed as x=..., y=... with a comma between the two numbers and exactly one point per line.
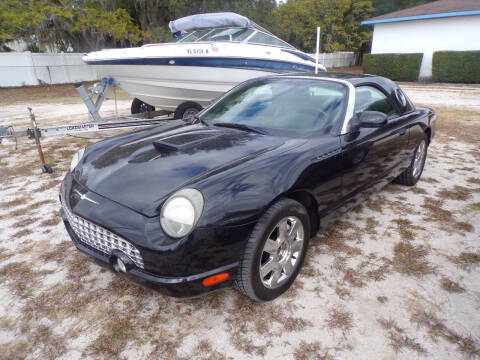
x=214, y=53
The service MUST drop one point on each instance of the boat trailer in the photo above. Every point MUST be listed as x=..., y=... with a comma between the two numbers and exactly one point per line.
x=97, y=123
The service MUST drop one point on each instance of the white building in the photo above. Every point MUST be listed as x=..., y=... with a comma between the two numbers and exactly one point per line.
x=439, y=25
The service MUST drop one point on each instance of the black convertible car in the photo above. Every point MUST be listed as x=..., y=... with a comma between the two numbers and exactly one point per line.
x=233, y=197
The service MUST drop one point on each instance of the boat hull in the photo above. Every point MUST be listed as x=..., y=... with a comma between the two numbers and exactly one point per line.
x=166, y=87
x=167, y=75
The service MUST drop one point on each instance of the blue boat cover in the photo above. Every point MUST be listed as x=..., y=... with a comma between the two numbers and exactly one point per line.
x=211, y=20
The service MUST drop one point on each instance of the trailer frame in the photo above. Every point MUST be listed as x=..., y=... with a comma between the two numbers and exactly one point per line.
x=96, y=124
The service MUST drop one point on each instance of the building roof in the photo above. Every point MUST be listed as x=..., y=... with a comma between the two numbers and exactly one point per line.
x=433, y=10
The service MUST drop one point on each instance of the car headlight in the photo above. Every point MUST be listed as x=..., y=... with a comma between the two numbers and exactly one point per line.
x=76, y=158
x=181, y=212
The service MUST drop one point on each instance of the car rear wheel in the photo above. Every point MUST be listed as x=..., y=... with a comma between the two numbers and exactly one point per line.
x=275, y=251
x=412, y=174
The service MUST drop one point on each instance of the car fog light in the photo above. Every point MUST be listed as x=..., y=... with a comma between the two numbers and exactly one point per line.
x=120, y=261
x=121, y=266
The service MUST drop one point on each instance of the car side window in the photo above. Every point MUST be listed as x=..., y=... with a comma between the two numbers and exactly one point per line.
x=368, y=98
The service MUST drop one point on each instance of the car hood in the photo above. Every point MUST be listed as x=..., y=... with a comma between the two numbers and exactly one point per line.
x=139, y=170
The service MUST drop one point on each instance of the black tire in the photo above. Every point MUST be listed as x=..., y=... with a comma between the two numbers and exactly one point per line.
x=249, y=280
x=138, y=107
x=412, y=174
x=185, y=108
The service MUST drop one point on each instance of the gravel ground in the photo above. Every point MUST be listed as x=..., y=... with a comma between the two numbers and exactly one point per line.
x=398, y=278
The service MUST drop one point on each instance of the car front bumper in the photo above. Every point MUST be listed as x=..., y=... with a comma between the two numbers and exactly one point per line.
x=175, y=269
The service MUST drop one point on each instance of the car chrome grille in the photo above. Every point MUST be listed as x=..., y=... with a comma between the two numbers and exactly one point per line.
x=101, y=239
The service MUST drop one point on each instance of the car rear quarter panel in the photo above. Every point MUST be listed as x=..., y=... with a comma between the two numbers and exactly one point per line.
x=423, y=123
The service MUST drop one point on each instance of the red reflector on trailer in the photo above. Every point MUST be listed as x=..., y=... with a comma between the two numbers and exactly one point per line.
x=215, y=279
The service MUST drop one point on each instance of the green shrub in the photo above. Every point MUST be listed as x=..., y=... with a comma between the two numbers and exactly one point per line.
x=456, y=66
x=402, y=67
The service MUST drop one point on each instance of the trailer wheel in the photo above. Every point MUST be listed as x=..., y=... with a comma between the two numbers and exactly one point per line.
x=187, y=110
x=138, y=106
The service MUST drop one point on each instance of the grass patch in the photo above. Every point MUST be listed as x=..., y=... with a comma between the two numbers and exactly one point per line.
x=474, y=180
x=311, y=351
x=340, y=319
x=19, y=212
x=25, y=222
x=458, y=192
x=404, y=227
x=382, y=299
x=418, y=190
x=116, y=333
x=48, y=185
x=41, y=203
x=375, y=205
x=457, y=124
x=411, y=260
x=465, y=260
x=463, y=226
x=22, y=233
x=451, y=286
x=54, y=220
x=15, y=202
x=337, y=236
x=435, y=212
x=475, y=206
x=465, y=344
x=20, y=278
x=398, y=340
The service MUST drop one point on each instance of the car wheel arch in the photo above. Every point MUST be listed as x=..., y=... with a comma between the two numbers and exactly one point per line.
x=428, y=132
x=309, y=203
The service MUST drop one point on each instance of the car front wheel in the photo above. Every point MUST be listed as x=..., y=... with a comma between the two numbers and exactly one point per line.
x=275, y=251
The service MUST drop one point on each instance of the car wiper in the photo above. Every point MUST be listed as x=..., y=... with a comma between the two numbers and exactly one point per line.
x=240, y=127
x=196, y=120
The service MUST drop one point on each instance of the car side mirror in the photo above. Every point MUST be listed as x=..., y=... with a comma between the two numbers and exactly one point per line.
x=371, y=119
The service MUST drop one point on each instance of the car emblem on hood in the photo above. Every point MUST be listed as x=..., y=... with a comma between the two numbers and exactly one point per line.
x=85, y=197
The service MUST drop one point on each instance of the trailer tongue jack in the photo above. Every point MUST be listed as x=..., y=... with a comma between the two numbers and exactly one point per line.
x=45, y=167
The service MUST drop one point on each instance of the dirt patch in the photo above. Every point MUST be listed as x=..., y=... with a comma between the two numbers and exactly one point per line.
x=63, y=93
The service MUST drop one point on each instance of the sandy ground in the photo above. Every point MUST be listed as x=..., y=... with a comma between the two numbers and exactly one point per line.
x=398, y=278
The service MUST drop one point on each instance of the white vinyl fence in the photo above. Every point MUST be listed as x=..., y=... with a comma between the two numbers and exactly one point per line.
x=27, y=69
x=337, y=59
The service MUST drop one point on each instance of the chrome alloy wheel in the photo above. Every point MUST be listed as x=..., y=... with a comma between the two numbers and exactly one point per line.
x=281, y=252
x=419, y=158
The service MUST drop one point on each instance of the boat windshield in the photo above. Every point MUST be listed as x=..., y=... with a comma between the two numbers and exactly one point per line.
x=289, y=106
x=251, y=36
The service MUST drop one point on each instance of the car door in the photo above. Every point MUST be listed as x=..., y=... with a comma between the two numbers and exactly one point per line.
x=370, y=154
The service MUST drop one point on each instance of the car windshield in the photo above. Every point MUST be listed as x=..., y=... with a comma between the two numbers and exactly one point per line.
x=298, y=106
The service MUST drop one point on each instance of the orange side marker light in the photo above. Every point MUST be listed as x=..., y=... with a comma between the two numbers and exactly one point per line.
x=215, y=279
